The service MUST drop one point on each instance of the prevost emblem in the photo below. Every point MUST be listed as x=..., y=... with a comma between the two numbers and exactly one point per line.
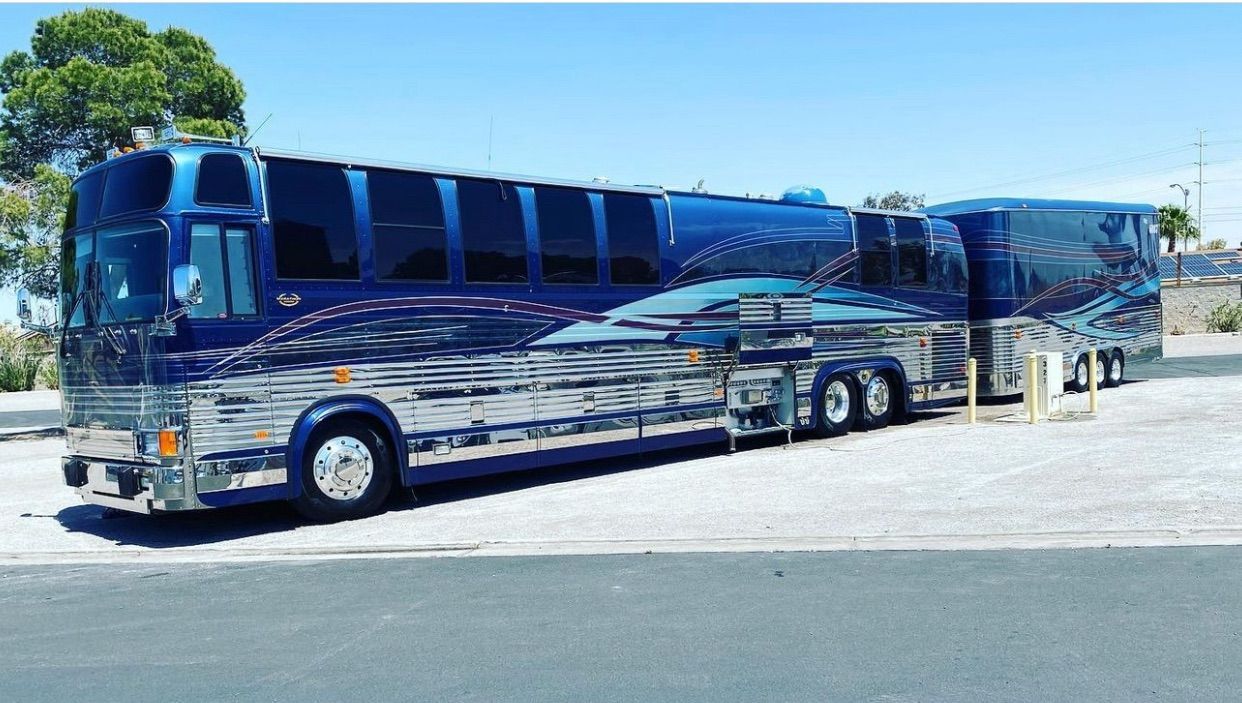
x=288, y=299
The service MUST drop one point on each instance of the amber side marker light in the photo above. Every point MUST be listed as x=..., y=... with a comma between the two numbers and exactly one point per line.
x=693, y=356
x=168, y=443
x=342, y=374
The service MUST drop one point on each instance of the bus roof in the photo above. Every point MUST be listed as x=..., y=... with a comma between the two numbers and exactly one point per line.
x=995, y=204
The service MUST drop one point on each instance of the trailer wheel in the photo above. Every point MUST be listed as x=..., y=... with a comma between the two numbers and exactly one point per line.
x=1078, y=382
x=346, y=472
x=878, y=397
x=1116, y=369
x=838, y=406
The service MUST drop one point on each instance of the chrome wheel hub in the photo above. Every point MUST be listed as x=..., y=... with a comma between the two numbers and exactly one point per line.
x=1099, y=370
x=343, y=468
x=1080, y=374
x=877, y=395
x=837, y=402
x=1115, y=374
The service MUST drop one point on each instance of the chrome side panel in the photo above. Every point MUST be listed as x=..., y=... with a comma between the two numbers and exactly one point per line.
x=999, y=346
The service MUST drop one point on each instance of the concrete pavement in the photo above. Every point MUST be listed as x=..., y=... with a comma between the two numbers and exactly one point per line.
x=1122, y=478
x=1097, y=625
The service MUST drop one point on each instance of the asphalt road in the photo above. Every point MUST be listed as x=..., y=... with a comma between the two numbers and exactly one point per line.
x=1100, y=625
x=1188, y=366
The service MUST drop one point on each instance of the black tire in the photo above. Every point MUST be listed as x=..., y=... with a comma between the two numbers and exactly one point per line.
x=329, y=494
x=1115, y=369
x=1078, y=380
x=879, y=390
x=836, y=388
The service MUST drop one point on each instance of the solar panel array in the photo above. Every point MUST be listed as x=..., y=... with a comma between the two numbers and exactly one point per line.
x=1214, y=264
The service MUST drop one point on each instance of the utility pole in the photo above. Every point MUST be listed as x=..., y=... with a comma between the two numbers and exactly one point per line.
x=1199, y=214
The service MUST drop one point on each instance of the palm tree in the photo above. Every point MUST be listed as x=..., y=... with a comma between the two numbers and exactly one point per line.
x=1176, y=223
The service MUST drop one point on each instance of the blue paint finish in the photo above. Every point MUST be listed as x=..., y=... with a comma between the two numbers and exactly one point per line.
x=241, y=496
x=328, y=408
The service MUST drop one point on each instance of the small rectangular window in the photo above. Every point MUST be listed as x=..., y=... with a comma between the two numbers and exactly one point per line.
x=492, y=232
x=408, y=233
x=227, y=271
x=239, y=253
x=566, y=236
x=222, y=181
x=911, y=252
x=874, y=250
x=633, y=243
x=206, y=255
x=312, y=221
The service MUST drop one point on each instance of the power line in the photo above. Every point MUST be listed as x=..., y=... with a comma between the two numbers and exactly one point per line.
x=1121, y=179
x=1071, y=171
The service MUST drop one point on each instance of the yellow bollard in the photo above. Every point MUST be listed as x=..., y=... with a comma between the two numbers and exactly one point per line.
x=1093, y=403
x=1032, y=384
x=971, y=390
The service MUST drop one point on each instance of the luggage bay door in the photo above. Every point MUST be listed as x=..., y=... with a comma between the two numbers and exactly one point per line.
x=774, y=328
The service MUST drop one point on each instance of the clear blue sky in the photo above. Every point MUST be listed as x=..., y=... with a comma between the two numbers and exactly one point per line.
x=946, y=100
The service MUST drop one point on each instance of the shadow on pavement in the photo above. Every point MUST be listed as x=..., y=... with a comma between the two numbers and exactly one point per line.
x=222, y=525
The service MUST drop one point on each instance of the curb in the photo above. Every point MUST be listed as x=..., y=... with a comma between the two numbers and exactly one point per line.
x=16, y=433
x=1172, y=537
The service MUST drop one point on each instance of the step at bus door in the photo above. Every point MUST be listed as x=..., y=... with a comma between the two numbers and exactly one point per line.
x=774, y=328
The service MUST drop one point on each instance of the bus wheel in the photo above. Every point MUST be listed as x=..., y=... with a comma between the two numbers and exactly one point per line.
x=877, y=402
x=1078, y=382
x=346, y=472
x=1116, y=369
x=838, y=406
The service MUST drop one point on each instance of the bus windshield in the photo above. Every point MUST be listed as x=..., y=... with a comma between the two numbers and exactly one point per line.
x=132, y=262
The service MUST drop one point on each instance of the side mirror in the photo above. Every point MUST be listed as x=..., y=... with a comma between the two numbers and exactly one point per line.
x=187, y=285
x=23, y=305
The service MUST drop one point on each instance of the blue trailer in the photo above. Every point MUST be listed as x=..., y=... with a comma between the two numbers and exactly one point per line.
x=1060, y=276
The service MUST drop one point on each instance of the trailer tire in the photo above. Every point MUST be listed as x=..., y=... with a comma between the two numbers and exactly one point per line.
x=877, y=401
x=838, y=406
x=1115, y=369
x=1078, y=380
x=346, y=472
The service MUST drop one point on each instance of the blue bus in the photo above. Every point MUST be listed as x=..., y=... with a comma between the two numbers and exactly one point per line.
x=244, y=325
x=1060, y=276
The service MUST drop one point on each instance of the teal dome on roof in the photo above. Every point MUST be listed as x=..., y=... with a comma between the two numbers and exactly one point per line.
x=804, y=194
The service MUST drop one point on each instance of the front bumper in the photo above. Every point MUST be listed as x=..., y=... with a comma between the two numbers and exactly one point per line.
x=138, y=488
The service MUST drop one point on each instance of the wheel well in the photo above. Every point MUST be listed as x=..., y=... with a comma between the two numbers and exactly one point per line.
x=1117, y=352
x=371, y=422
x=899, y=390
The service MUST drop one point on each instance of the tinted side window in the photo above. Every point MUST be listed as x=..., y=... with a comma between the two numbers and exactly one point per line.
x=408, y=227
x=874, y=250
x=312, y=221
x=566, y=236
x=226, y=268
x=633, y=244
x=140, y=184
x=492, y=233
x=222, y=181
x=84, y=202
x=911, y=252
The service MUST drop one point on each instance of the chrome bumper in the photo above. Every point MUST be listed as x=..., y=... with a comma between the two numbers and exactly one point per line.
x=138, y=488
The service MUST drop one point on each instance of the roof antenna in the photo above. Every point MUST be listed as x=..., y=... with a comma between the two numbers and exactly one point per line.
x=699, y=188
x=256, y=129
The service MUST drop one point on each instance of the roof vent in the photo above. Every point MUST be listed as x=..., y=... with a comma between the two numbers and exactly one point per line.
x=804, y=194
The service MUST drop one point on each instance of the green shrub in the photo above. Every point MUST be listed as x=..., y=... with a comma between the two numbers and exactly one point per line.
x=1226, y=317
x=19, y=361
x=49, y=377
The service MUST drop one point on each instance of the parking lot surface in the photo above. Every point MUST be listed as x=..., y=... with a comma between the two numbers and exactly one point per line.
x=1158, y=465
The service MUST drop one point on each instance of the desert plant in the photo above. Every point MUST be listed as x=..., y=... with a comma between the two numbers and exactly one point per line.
x=1213, y=244
x=1226, y=317
x=19, y=361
